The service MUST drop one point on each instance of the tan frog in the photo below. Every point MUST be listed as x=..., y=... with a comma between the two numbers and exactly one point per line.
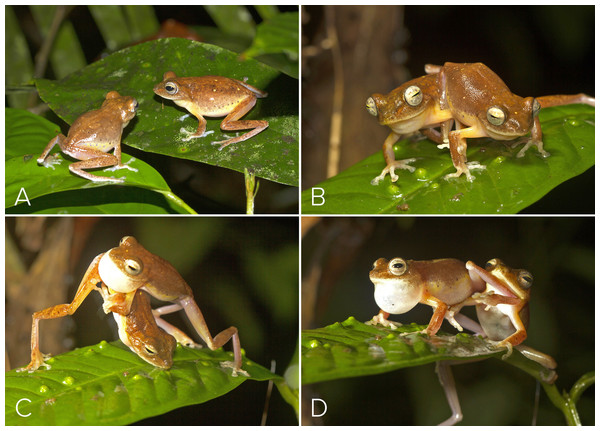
x=93, y=135
x=405, y=110
x=214, y=96
x=401, y=284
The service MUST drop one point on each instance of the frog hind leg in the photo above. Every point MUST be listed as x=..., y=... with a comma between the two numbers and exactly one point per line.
x=390, y=159
x=92, y=158
x=197, y=319
x=231, y=123
x=446, y=378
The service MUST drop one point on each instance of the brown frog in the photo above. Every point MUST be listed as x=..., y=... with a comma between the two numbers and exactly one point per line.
x=214, y=96
x=93, y=135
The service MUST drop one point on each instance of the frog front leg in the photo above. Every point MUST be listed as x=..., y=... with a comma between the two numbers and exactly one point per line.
x=390, y=159
x=41, y=160
x=201, y=130
x=439, y=312
x=88, y=283
x=534, y=140
x=458, y=151
x=233, y=122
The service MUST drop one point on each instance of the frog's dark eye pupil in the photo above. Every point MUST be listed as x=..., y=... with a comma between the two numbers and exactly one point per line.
x=525, y=280
x=132, y=267
x=397, y=266
x=171, y=88
x=413, y=95
x=149, y=350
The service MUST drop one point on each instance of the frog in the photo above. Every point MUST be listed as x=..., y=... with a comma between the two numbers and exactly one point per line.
x=125, y=270
x=214, y=96
x=401, y=284
x=139, y=331
x=482, y=105
x=503, y=315
x=92, y=135
x=405, y=110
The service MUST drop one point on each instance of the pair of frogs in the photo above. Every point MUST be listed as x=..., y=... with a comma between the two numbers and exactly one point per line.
x=499, y=293
x=125, y=276
x=95, y=133
x=469, y=95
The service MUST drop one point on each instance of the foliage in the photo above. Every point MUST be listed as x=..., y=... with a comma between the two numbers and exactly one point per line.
x=107, y=384
x=507, y=185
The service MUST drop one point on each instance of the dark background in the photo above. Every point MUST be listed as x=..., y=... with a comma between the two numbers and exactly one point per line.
x=536, y=50
x=559, y=252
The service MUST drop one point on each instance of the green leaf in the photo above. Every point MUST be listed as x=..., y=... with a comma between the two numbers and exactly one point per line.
x=107, y=384
x=235, y=20
x=26, y=137
x=272, y=154
x=507, y=185
x=352, y=349
x=278, y=35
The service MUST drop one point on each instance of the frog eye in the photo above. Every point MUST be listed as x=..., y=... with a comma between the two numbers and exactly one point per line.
x=397, y=266
x=496, y=116
x=149, y=350
x=491, y=264
x=133, y=267
x=525, y=279
x=171, y=88
x=536, y=107
x=413, y=95
x=371, y=107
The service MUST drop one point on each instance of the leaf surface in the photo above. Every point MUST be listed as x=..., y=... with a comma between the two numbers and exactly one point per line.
x=107, y=384
x=507, y=185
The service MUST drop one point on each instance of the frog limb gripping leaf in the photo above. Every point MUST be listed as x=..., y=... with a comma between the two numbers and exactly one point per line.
x=214, y=96
x=93, y=135
x=126, y=274
x=472, y=97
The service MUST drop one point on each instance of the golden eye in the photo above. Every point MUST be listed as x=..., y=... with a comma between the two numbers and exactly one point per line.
x=491, y=264
x=496, y=116
x=149, y=349
x=525, y=279
x=397, y=266
x=133, y=267
x=413, y=95
x=171, y=87
x=371, y=107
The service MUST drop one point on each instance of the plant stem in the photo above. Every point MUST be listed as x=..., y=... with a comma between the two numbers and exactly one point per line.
x=251, y=190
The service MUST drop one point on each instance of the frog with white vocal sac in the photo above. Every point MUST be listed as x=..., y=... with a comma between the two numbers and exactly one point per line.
x=93, y=135
x=401, y=284
x=471, y=96
x=125, y=271
x=214, y=96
